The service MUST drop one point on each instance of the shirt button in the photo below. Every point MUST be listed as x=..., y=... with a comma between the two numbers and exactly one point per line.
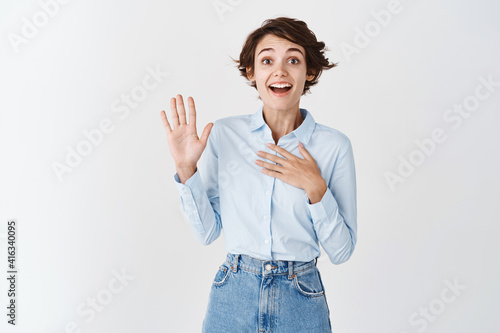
x=266, y=218
x=266, y=241
x=268, y=192
x=268, y=267
x=194, y=210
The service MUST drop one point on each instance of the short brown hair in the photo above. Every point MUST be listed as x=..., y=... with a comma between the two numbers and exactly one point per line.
x=295, y=31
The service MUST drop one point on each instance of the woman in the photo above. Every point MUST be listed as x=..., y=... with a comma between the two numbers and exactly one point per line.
x=276, y=182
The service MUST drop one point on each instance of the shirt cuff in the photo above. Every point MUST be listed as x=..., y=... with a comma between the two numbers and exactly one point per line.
x=323, y=209
x=193, y=187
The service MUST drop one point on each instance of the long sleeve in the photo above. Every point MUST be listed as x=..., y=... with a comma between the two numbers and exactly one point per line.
x=200, y=194
x=335, y=216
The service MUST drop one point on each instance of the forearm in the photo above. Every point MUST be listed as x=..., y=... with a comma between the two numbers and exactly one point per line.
x=201, y=210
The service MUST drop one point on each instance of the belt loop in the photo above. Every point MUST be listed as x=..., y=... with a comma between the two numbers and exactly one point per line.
x=290, y=270
x=315, y=261
x=235, y=263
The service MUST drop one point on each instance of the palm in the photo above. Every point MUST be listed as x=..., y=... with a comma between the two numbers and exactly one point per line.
x=185, y=146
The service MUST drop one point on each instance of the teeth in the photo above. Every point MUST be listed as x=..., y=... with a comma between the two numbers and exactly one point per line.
x=281, y=85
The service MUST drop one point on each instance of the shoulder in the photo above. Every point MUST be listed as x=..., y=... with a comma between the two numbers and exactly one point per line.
x=333, y=136
x=226, y=127
x=233, y=120
x=235, y=123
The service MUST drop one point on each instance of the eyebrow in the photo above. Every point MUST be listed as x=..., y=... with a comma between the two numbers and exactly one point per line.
x=289, y=50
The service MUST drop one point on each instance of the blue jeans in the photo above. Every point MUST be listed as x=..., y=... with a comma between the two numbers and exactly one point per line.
x=267, y=296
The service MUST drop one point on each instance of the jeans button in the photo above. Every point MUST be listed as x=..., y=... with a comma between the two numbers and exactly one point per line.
x=268, y=267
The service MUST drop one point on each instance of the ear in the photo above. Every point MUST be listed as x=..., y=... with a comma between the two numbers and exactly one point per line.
x=249, y=74
x=310, y=77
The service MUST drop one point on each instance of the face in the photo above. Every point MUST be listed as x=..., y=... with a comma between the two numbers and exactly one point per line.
x=278, y=60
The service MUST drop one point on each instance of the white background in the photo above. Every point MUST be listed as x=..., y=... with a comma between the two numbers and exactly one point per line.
x=119, y=210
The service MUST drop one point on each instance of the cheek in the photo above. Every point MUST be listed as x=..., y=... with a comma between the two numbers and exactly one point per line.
x=260, y=81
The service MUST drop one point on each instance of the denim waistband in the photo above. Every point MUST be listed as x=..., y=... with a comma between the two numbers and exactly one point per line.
x=267, y=267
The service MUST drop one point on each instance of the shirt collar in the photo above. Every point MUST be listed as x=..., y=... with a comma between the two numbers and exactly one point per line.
x=303, y=132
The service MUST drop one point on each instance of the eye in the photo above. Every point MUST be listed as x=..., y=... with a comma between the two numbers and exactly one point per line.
x=292, y=59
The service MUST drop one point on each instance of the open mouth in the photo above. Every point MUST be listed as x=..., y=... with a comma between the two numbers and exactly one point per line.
x=280, y=90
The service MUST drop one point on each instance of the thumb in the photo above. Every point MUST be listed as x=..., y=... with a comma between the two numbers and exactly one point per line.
x=206, y=133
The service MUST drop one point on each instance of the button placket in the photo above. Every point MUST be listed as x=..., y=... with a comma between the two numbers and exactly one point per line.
x=269, y=183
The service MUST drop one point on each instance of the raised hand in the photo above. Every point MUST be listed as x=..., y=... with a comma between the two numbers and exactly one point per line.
x=185, y=146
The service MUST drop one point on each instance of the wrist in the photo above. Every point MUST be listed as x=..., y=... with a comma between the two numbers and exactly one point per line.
x=185, y=167
x=185, y=173
x=316, y=193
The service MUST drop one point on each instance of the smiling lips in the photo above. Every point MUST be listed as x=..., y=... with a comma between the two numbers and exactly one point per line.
x=280, y=89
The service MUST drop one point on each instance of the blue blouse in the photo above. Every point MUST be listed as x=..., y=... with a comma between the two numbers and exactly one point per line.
x=263, y=216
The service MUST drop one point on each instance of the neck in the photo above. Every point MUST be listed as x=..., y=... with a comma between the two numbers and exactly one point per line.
x=282, y=122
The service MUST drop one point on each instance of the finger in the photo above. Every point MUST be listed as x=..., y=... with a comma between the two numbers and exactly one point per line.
x=272, y=173
x=173, y=108
x=282, y=151
x=164, y=120
x=192, y=111
x=304, y=152
x=271, y=157
x=270, y=166
x=181, y=111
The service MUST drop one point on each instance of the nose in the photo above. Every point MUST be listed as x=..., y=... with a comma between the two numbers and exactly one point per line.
x=280, y=70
